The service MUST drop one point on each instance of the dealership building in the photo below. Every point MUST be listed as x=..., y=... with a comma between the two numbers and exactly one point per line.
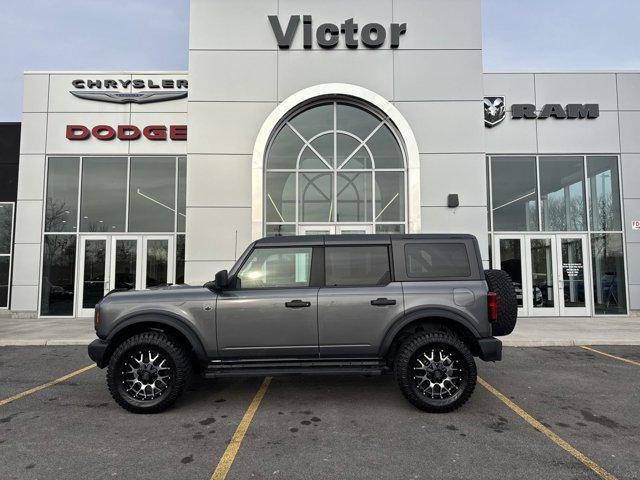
x=306, y=117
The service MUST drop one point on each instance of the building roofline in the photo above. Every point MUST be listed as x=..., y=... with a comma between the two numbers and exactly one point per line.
x=560, y=72
x=106, y=72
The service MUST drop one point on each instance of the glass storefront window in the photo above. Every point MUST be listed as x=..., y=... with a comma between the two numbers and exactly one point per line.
x=390, y=196
x=103, y=203
x=315, y=197
x=332, y=152
x=62, y=194
x=152, y=194
x=514, y=194
x=182, y=194
x=4, y=281
x=280, y=205
x=354, y=197
x=280, y=230
x=6, y=227
x=604, y=193
x=180, y=258
x=562, y=193
x=58, y=275
x=607, y=264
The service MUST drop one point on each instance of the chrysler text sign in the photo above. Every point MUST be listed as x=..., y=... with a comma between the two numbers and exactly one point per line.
x=127, y=132
x=143, y=91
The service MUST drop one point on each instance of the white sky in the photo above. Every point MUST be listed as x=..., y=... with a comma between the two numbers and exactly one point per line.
x=153, y=35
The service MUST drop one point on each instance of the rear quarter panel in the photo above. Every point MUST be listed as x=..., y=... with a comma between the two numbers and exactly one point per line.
x=464, y=298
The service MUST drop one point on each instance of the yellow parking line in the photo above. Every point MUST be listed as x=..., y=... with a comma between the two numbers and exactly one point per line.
x=548, y=433
x=632, y=362
x=45, y=385
x=229, y=454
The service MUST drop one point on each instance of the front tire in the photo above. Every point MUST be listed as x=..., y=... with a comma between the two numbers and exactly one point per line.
x=436, y=372
x=148, y=372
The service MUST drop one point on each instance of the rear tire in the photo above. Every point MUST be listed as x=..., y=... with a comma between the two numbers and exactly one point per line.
x=436, y=371
x=500, y=282
x=148, y=372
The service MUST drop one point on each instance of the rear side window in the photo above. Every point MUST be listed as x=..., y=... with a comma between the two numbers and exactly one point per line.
x=353, y=266
x=437, y=260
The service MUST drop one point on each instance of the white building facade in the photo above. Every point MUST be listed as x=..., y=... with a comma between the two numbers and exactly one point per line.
x=328, y=117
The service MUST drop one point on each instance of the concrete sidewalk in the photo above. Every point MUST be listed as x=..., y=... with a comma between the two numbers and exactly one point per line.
x=529, y=332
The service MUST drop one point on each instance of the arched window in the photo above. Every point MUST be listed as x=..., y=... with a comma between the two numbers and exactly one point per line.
x=335, y=167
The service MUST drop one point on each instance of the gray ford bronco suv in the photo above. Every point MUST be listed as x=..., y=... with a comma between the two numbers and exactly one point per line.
x=418, y=306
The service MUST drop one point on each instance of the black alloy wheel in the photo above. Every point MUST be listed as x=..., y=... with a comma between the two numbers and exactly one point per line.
x=148, y=372
x=436, y=371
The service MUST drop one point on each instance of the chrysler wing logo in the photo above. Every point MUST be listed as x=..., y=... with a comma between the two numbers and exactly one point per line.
x=122, y=97
x=494, y=111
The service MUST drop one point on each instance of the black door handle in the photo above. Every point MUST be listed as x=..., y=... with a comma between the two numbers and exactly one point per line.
x=381, y=302
x=297, y=304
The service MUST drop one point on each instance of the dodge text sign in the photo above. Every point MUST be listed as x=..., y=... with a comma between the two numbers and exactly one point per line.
x=127, y=132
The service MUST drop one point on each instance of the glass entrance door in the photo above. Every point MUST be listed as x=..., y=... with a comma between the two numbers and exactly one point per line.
x=94, y=274
x=509, y=255
x=542, y=268
x=139, y=262
x=122, y=262
x=548, y=272
x=573, y=283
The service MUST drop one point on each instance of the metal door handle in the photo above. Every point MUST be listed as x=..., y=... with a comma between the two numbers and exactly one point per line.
x=381, y=302
x=297, y=304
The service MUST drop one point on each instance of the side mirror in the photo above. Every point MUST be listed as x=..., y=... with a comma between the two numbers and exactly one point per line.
x=222, y=280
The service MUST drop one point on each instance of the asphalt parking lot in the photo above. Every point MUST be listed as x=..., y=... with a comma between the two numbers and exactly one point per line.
x=328, y=427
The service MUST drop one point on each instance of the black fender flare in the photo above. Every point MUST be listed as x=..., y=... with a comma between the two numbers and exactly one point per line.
x=163, y=318
x=433, y=312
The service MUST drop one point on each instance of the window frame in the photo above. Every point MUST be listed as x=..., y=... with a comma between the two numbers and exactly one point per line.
x=589, y=232
x=384, y=121
x=473, y=254
x=78, y=234
x=369, y=285
x=10, y=254
x=316, y=271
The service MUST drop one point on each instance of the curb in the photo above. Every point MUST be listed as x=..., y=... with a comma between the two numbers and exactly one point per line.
x=46, y=342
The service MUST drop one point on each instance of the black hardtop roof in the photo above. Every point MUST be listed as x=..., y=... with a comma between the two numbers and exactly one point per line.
x=379, y=238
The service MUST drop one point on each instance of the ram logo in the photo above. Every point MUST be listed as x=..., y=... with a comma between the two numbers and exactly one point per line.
x=494, y=111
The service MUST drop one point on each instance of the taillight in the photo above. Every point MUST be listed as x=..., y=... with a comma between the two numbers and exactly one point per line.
x=492, y=306
x=96, y=318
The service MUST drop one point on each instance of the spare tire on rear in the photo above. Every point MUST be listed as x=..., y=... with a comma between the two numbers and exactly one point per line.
x=500, y=282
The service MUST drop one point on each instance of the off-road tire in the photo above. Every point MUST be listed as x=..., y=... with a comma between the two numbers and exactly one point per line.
x=412, y=348
x=177, y=356
x=500, y=282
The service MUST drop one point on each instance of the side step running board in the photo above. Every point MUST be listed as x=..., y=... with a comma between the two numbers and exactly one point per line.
x=235, y=369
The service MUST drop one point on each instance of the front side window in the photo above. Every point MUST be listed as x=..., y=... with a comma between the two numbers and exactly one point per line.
x=335, y=162
x=276, y=268
x=353, y=266
x=437, y=260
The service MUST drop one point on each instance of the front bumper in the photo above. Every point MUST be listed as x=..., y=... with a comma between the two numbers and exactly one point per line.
x=490, y=349
x=97, y=350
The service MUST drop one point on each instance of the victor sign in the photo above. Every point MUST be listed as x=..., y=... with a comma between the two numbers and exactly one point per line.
x=327, y=35
x=144, y=91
